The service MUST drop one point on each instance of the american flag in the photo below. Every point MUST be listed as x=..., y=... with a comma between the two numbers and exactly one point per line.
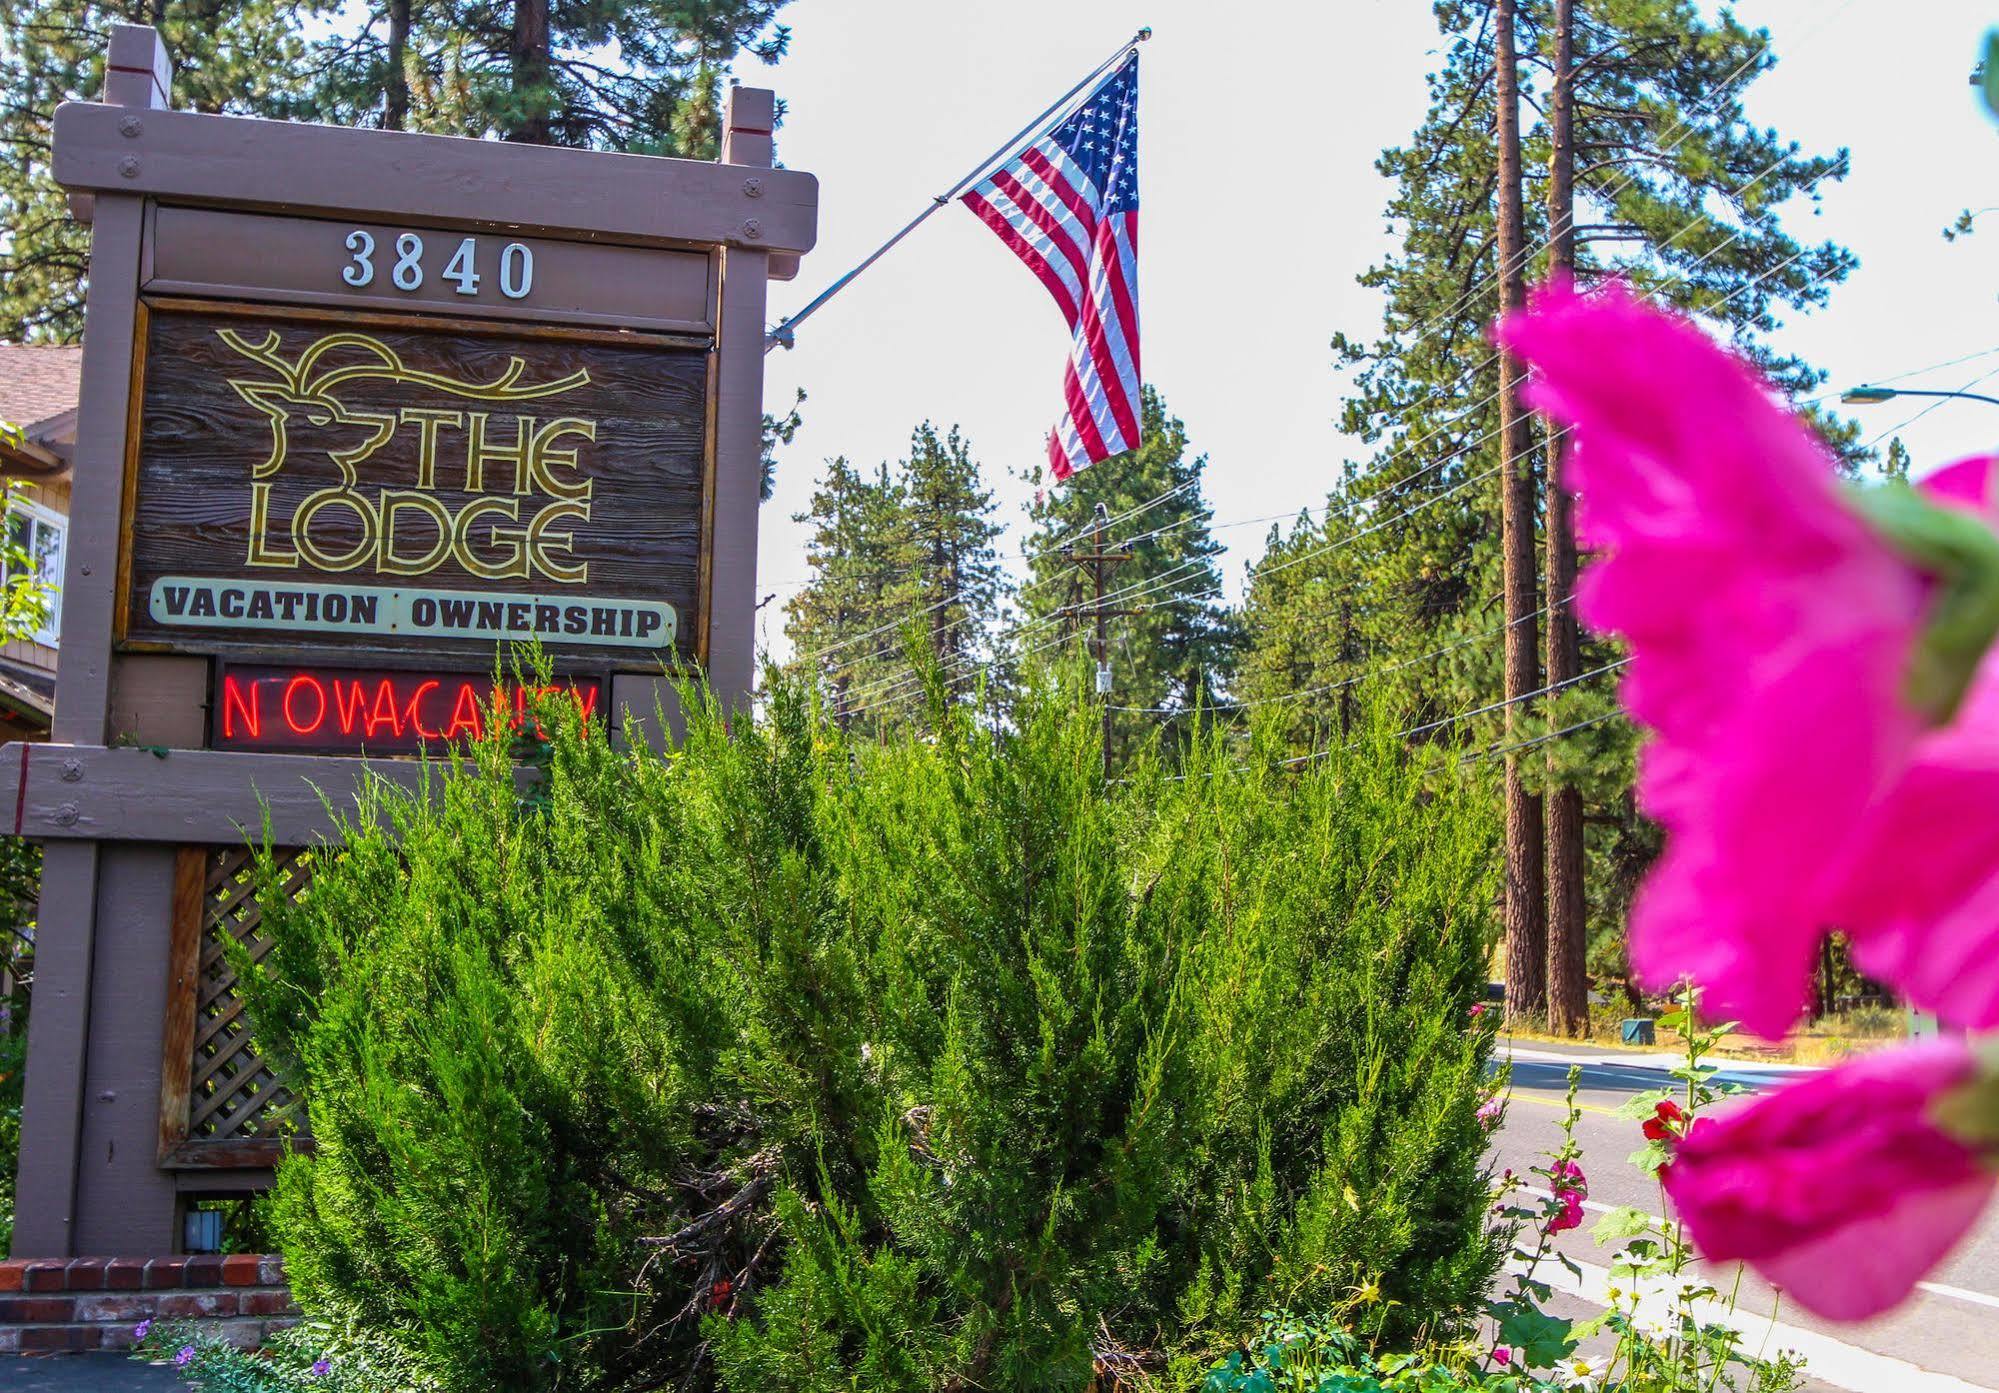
x=1068, y=206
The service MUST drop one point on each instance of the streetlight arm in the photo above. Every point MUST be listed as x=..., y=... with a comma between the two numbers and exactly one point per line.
x=1863, y=396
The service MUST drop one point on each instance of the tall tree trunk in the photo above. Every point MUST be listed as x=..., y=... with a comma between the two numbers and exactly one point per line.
x=530, y=56
x=1526, y=906
x=1568, y=909
x=396, y=88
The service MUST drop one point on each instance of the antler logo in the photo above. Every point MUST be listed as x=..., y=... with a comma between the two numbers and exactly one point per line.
x=306, y=391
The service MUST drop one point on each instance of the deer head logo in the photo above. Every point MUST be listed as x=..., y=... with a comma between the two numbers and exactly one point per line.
x=304, y=392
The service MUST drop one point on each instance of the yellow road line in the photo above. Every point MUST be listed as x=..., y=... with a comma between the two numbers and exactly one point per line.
x=1512, y=1097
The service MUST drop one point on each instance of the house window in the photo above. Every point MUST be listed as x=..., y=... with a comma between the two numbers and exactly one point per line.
x=42, y=534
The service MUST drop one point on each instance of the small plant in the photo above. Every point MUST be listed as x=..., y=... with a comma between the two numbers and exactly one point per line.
x=1674, y=1329
x=312, y=1357
x=1299, y=1356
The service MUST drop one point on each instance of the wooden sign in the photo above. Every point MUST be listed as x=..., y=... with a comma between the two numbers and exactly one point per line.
x=375, y=486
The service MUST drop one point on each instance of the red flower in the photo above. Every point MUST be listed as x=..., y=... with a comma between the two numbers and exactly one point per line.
x=719, y=1293
x=1667, y=1121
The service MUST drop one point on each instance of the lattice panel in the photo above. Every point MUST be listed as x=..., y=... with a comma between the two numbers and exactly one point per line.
x=232, y=1092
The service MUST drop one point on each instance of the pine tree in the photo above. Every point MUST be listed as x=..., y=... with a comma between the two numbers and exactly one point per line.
x=903, y=557
x=239, y=57
x=843, y=624
x=1178, y=654
x=636, y=75
x=954, y=572
x=1399, y=577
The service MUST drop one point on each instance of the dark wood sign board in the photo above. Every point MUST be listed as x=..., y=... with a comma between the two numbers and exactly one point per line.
x=391, y=489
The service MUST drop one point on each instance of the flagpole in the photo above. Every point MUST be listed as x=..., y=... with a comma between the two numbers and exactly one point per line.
x=782, y=334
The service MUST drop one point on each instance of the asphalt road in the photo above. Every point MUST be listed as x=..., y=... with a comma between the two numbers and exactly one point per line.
x=1945, y=1339
x=85, y=1373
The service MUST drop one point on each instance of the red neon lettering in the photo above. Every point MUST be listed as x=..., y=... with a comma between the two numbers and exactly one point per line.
x=586, y=701
x=410, y=713
x=348, y=702
x=464, y=714
x=385, y=712
x=307, y=682
x=234, y=703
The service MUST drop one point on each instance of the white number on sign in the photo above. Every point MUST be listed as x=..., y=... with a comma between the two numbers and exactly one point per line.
x=460, y=269
x=408, y=274
x=363, y=269
x=516, y=265
x=516, y=271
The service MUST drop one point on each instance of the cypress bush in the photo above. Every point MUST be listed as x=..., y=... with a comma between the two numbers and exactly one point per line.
x=773, y=1061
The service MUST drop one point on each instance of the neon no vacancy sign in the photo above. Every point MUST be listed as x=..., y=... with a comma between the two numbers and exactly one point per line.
x=369, y=711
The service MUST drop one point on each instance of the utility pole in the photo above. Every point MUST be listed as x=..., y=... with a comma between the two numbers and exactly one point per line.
x=1568, y=969
x=1347, y=656
x=1526, y=905
x=1096, y=564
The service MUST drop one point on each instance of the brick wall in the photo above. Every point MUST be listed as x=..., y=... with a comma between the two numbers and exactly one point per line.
x=55, y=1304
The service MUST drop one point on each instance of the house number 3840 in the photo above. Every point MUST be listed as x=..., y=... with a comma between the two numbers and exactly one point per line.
x=405, y=266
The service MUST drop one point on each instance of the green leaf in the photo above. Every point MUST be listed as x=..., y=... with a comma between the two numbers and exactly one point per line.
x=1620, y=1223
x=1542, y=1339
x=1642, y=1105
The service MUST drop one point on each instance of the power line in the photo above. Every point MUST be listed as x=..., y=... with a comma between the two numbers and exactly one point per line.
x=1344, y=682
x=1546, y=736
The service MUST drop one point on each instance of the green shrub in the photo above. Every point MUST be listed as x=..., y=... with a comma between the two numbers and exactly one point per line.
x=941, y=1063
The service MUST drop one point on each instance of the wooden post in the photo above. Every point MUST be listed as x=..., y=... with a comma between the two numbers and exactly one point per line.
x=1526, y=909
x=1568, y=907
x=138, y=75
x=749, y=115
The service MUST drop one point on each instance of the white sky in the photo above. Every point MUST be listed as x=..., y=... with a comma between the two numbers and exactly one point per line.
x=1260, y=205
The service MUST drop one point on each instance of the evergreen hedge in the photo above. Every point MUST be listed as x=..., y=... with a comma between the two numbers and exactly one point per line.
x=774, y=1062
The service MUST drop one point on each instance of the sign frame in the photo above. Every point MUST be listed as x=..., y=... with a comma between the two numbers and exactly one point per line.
x=126, y=795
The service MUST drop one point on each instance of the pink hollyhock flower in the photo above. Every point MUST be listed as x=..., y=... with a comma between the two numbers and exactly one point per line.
x=1842, y=1189
x=1489, y=1111
x=1771, y=632
x=1502, y=1355
x=1477, y=1010
x=1571, y=1216
x=1936, y=935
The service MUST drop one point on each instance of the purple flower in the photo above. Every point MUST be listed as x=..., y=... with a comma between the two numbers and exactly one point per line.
x=143, y=1329
x=321, y=1367
x=185, y=1357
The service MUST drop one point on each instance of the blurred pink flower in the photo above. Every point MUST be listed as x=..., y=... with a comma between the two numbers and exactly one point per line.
x=1489, y=1112
x=1936, y=935
x=1502, y=1355
x=1770, y=628
x=1841, y=1188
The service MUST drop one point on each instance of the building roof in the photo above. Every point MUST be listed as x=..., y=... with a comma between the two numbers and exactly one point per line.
x=38, y=382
